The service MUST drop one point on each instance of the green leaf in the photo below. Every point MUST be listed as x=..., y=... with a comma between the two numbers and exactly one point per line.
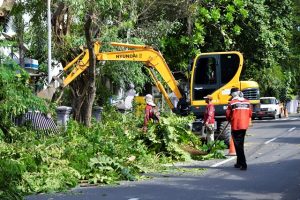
x=229, y=17
x=230, y=9
x=215, y=14
x=244, y=13
x=238, y=3
x=237, y=30
x=204, y=13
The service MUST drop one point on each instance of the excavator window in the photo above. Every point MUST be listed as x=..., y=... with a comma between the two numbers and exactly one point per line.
x=229, y=66
x=212, y=72
x=207, y=72
x=205, y=76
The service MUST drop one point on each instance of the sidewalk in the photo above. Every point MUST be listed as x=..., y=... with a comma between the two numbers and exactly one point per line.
x=294, y=115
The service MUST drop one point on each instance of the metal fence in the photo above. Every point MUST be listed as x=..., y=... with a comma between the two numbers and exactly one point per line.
x=37, y=121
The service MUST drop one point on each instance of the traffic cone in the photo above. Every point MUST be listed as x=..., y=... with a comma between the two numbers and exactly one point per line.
x=231, y=148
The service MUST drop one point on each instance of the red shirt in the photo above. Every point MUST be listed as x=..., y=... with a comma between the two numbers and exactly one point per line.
x=148, y=114
x=239, y=113
x=209, y=115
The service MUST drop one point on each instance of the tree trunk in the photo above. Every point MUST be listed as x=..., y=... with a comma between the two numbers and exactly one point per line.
x=189, y=18
x=90, y=94
x=83, y=88
x=78, y=89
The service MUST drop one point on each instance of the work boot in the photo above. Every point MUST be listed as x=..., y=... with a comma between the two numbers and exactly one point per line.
x=237, y=166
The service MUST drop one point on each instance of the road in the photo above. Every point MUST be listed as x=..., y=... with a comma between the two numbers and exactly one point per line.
x=273, y=156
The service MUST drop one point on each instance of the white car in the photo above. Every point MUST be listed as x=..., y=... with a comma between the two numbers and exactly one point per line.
x=269, y=107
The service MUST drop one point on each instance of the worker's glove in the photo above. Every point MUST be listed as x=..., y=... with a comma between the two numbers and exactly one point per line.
x=144, y=129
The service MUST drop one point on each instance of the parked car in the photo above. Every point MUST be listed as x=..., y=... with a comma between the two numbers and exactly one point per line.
x=269, y=107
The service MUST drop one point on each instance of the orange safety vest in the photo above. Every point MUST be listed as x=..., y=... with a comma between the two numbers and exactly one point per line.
x=239, y=113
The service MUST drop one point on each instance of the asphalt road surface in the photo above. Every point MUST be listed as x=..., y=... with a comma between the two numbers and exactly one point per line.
x=273, y=156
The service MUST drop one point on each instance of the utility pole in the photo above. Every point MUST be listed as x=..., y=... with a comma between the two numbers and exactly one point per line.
x=49, y=39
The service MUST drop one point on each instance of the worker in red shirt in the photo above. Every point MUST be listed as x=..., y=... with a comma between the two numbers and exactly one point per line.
x=151, y=111
x=239, y=113
x=209, y=119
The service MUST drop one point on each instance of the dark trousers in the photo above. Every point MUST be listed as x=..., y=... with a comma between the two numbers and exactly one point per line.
x=238, y=140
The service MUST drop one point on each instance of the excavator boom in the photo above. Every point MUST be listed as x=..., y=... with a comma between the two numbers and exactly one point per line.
x=138, y=53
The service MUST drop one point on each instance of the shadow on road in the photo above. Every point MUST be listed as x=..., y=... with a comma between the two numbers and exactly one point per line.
x=260, y=181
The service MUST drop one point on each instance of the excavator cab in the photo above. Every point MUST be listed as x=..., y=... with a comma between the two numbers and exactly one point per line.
x=214, y=74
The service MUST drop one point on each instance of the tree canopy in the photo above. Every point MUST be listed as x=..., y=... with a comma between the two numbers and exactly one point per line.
x=266, y=32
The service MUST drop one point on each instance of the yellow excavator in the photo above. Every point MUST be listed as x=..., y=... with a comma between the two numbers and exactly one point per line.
x=211, y=73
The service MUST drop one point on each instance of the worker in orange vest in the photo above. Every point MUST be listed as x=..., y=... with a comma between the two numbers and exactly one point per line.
x=239, y=113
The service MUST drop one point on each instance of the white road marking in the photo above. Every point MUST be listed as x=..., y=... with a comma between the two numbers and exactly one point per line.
x=271, y=140
x=278, y=119
x=290, y=130
x=224, y=161
x=267, y=142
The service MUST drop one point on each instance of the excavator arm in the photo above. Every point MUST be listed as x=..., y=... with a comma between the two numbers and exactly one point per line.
x=152, y=59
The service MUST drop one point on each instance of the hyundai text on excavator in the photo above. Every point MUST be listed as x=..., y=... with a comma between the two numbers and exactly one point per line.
x=212, y=73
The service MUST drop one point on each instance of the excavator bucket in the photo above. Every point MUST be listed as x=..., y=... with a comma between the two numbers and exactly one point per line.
x=48, y=92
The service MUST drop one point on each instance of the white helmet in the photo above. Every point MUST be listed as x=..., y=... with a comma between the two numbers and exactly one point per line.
x=149, y=100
